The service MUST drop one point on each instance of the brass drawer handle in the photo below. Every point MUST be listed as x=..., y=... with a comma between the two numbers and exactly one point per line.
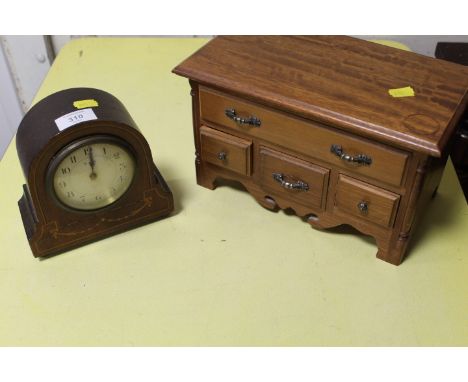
x=359, y=159
x=299, y=185
x=252, y=121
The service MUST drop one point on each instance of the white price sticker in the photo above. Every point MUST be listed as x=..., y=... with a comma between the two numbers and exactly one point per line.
x=70, y=119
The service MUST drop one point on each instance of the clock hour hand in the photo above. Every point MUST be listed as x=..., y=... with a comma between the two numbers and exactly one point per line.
x=92, y=163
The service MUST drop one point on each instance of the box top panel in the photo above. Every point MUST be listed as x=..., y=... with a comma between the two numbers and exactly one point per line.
x=340, y=81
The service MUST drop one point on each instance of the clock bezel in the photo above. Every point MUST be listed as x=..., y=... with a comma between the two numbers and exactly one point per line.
x=65, y=150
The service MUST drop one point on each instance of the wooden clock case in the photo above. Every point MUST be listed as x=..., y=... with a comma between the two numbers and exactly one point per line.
x=52, y=228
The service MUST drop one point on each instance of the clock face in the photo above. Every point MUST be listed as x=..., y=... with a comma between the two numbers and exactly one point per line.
x=92, y=173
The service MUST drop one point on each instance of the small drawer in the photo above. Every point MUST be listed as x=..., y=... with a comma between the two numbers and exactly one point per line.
x=293, y=178
x=226, y=150
x=310, y=138
x=365, y=201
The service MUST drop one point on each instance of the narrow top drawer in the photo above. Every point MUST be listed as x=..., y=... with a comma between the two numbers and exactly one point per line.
x=307, y=137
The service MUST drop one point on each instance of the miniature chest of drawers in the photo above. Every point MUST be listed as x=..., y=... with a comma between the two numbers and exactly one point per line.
x=308, y=123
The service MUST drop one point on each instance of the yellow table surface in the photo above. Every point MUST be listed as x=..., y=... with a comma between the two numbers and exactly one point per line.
x=222, y=270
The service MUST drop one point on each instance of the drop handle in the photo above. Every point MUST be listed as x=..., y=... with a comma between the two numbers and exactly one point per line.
x=298, y=185
x=251, y=121
x=360, y=159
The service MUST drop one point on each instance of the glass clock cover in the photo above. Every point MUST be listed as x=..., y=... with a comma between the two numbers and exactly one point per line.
x=94, y=175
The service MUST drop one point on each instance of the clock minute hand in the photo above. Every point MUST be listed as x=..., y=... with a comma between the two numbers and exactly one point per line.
x=92, y=163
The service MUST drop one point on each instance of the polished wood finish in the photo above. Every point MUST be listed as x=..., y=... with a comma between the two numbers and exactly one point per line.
x=388, y=165
x=377, y=205
x=306, y=94
x=50, y=227
x=226, y=150
x=293, y=170
x=339, y=81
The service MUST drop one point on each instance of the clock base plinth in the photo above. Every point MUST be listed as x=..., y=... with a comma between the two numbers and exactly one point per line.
x=28, y=214
x=55, y=237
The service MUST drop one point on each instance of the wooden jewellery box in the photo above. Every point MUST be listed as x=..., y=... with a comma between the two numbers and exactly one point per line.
x=341, y=130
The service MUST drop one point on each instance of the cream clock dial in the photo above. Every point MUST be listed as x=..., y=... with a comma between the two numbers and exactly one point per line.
x=92, y=173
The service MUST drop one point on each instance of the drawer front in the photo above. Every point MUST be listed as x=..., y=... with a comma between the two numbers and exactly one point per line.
x=226, y=150
x=306, y=137
x=365, y=201
x=293, y=178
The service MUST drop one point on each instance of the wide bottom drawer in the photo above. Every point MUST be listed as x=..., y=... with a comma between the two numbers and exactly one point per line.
x=293, y=178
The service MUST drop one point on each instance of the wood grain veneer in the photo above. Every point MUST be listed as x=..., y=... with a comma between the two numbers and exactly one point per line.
x=285, y=101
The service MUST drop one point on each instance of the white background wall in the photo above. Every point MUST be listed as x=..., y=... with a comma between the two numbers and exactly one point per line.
x=25, y=61
x=10, y=109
